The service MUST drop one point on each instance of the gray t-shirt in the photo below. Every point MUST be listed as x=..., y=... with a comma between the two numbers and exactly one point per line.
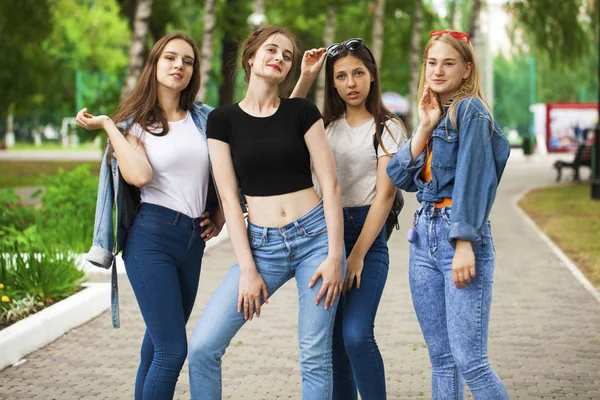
x=356, y=160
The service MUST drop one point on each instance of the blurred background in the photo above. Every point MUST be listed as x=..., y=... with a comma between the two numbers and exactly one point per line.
x=62, y=55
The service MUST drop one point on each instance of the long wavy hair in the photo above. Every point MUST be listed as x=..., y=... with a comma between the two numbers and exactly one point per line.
x=470, y=87
x=257, y=38
x=335, y=106
x=142, y=105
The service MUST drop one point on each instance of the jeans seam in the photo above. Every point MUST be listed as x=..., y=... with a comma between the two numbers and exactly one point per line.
x=189, y=246
x=152, y=318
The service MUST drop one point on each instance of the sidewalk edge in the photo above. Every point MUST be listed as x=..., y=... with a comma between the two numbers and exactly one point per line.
x=44, y=327
x=566, y=261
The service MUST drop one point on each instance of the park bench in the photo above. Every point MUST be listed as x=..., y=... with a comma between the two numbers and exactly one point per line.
x=583, y=158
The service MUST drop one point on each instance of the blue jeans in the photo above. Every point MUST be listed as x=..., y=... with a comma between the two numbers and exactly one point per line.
x=162, y=258
x=454, y=322
x=357, y=361
x=294, y=250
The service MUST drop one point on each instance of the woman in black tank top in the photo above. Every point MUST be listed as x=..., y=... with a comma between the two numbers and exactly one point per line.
x=267, y=144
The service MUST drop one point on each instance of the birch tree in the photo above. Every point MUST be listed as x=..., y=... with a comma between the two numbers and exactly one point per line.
x=141, y=21
x=206, y=53
x=415, y=63
x=378, y=30
x=327, y=40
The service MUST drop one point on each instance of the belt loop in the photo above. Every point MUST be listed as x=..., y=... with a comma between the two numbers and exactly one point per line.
x=176, y=219
x=264, y=232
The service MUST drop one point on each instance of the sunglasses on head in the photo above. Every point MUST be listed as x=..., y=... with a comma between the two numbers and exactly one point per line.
x=350, y=44
x=454, y=34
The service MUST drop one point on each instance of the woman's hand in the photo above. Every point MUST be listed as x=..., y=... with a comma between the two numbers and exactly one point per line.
x=312, y=61
x=331, y=272
x=429, y=109
x=91, y=122
x=210, y=228
x=463, y=264
x=354, y=268
x=251, y=286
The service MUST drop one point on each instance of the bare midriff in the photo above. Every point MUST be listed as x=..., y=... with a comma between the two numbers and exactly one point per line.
x=280, y=210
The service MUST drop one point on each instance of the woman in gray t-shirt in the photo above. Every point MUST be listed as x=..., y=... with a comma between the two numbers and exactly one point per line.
x=363, y=136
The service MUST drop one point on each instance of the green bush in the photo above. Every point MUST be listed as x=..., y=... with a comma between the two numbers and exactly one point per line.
x=48, y=276
x=13, y=212
x=66, y=218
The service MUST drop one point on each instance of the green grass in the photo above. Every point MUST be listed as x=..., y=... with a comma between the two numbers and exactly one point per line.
x=26, y=146
x=569, y=216
x=26, y=173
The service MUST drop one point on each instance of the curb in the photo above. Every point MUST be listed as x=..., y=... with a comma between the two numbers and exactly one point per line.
x=571, y=266
x=49, y=324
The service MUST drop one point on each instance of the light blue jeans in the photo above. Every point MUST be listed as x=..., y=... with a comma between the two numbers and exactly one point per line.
x=454, y=322
x=294, y=250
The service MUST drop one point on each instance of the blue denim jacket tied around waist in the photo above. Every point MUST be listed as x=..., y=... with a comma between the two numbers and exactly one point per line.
x=114, y=191
x=467, y=163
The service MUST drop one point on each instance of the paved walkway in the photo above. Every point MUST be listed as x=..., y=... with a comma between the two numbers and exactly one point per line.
x=544, y=340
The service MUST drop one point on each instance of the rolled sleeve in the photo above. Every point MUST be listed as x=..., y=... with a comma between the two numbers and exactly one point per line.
x=476, y=180
x=402, y=169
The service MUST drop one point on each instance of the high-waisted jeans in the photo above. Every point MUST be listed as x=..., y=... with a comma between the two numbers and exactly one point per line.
x=357, y=362
x=454, y=322
x=280, y=254
x=162, y=258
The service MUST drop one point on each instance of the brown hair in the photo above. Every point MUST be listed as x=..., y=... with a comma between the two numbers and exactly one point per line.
x=335, y=106
x=142, y=105
x=257, y=38
x=470, y=87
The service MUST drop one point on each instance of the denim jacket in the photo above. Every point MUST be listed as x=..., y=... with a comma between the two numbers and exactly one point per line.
x=114, y=191
x=466, y=165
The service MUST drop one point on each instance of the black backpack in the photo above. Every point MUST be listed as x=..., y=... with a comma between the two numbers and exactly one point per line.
x=392, y=219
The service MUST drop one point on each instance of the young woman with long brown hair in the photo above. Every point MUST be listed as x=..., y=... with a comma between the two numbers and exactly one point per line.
x=454, y=162
x=158, y=138
x=268, y=143
x=364, y=136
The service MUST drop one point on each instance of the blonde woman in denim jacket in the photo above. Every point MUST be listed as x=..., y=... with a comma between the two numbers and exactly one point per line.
x=454, y=162
x=164, y=152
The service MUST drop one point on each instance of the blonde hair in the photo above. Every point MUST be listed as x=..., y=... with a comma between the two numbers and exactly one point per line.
x=470, y=87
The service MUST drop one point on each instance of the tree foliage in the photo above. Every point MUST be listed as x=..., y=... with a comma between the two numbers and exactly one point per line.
x=556, y=29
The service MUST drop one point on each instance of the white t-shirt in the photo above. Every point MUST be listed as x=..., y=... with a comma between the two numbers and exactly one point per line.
x=355, y=159
x=180, y=167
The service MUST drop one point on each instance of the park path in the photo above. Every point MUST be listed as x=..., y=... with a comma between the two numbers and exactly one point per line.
x=544, y=333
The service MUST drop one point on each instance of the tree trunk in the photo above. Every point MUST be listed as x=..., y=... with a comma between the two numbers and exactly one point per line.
x=327, y=40
x=143, y=11
x=9, y=139
x=257, y=18
x=207, y=47
x=451, y=14
x=378, y=30
x=259, y=7
x=415, y=61
x=228, y=69
x=474, y=19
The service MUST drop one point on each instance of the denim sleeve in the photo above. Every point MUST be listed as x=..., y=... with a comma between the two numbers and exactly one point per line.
x=401, y=169
x=475, y=181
